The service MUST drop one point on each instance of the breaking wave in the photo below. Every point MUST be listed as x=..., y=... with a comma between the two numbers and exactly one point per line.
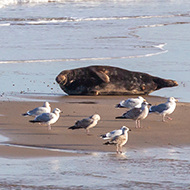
x=4, y=3
x=14, y=2
x=59, y=20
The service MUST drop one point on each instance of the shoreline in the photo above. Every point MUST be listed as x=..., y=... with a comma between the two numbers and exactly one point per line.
x=154, y=133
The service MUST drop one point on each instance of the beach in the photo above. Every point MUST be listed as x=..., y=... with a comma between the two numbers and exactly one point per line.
x=34, y=158
x=154, y=133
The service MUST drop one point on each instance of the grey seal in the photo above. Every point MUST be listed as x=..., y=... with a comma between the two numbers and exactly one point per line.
x=107, y=80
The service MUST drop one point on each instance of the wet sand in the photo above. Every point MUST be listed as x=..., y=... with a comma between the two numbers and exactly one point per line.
x=20, y=131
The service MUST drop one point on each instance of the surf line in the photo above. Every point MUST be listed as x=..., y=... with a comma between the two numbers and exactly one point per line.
x=79, y=59
x=45, y=148
x=4, y=142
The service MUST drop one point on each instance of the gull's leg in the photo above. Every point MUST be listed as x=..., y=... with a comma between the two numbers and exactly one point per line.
x=163, y=118
x=136, y=124
x=49, y=127
x=117, y=149
x=120, y=149
x=139, y=124
x=169, y=118
x=87, y=132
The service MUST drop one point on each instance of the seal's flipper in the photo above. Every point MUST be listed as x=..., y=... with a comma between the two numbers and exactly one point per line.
x=101, y=74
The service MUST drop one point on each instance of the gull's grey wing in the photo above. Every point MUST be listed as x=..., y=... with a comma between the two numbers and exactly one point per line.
x=84, y=123
x=118, y=139
x=159, y=108
x=45, y=117
x=111, y=134
x=37, y=111
x=131, y=103
x=115, y=133
x=133, y=113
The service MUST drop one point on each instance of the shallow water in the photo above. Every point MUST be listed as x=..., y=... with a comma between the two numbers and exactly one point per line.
x=3, y=138
x=40, y=38
x=160, y=168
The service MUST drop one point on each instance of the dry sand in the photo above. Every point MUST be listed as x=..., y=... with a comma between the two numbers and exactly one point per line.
x=154, y=133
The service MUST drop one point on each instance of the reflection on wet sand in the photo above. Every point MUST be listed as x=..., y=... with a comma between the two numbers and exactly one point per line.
x=159, y=168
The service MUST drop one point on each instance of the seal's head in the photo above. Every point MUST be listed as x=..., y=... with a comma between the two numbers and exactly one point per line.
x=62, y=77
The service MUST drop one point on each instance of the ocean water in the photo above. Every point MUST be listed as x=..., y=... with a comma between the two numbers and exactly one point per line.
x=40, y=38
x=163, y=168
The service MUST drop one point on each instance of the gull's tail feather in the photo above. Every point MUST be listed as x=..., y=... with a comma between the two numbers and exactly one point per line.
x=152, y=109
x=108, y=143
x=104, y=137
x=120, y=117
x=33, y=121
x=74, y=127
x=24, y=114
x=119, y=106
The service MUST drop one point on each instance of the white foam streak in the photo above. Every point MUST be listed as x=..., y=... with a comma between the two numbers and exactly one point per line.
x=152, y=26
x=5, y=24
x=161, y=46
x=14, y=2
x=44, y=148
x=80, y=59
x=45, y=22
x=71, y=19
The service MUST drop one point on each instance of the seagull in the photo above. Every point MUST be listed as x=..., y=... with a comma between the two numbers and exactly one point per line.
x=165, y=108
x=131, y=103
x=47, y=118
x=136, y=114
x=119, y=140
x=39, y=110
x=112, y=134
x=86, y=123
